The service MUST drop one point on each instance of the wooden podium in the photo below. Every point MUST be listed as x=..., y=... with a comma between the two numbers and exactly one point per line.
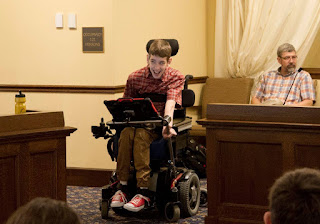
x=32, y=159
x=248, y=147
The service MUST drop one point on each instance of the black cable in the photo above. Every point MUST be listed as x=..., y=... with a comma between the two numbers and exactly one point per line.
x=299, y=70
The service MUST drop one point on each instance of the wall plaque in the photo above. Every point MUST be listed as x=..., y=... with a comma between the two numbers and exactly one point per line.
x=92, y=39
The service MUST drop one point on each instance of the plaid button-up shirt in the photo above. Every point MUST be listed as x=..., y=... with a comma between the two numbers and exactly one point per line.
x=275, y=86
x=171, y=83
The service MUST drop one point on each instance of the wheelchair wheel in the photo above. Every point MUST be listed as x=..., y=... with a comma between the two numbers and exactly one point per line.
x=172, y=212
x=190, y=195
x=104, y=207
x=203, y=197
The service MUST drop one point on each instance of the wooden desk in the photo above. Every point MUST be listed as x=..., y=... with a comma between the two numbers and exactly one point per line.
x=32, y=159
x=248, y=147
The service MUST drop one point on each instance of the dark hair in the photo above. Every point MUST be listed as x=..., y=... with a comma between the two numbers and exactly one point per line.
x=295, y=198
x=44, y=211
x=160, y=48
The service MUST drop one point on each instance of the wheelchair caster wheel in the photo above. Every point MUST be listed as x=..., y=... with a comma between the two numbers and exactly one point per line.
x=104, y=208
x=203, y=197
x=190, y=195
x=172, y=212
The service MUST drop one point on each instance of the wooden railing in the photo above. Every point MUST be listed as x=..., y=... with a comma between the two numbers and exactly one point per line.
x=314, y=72
x=76, y=88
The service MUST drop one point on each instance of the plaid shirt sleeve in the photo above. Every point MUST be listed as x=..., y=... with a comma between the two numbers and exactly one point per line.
x=260, y=88
x=307, y=88
x=175, y=87
x=129, y=90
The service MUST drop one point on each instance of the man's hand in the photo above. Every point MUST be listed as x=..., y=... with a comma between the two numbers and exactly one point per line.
x=255, y=100
x=168, y=134
x=304, y=103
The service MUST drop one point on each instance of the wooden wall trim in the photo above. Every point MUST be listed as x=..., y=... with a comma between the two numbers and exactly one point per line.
x=88, y=177
x=200, y=79
x=62, y=88
x=76, y=88
x=314, y=72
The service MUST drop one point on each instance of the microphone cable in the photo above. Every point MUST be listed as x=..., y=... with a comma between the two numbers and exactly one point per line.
x=299, y=70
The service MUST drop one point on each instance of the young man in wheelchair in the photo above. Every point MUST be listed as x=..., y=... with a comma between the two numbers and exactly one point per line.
x=134, y=143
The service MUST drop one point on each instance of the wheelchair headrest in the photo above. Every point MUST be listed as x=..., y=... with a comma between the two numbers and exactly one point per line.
x=188, y=98
x=173, y=43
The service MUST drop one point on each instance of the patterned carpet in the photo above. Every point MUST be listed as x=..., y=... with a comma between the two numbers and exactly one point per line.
x=85, y=201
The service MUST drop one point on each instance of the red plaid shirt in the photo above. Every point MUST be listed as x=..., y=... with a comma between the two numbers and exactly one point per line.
x=142, y=81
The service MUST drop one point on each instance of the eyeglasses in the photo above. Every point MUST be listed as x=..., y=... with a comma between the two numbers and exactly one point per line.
x=288, y=57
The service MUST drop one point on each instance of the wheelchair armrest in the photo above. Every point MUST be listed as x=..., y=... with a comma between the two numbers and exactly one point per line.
x=181, y=124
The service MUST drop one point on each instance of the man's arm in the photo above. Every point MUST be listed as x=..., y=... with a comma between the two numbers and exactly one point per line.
x=307, y=91
x=169, y=110
x=304, y=103
x=255, y=100
x=258, y=92
x=128, y=90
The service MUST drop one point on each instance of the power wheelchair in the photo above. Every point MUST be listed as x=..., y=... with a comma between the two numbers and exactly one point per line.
x=176, y=187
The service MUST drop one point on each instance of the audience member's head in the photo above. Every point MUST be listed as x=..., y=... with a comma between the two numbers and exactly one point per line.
x=44, y=211
x=295, y=198
x=286, y=47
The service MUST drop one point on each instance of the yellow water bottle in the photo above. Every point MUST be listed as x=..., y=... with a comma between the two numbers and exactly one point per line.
x=20, y=107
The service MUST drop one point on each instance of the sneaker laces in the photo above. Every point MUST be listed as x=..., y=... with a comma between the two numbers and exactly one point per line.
x=138, y=197
x=119, y=193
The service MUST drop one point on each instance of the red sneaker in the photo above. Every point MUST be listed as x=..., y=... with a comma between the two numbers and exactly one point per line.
x=137, y=203
x=118, y=199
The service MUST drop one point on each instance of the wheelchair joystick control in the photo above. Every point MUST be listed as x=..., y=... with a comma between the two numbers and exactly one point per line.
x=101, y=130
x=102, y=122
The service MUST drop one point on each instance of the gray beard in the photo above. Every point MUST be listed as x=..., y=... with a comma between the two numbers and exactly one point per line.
x=291, y=69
